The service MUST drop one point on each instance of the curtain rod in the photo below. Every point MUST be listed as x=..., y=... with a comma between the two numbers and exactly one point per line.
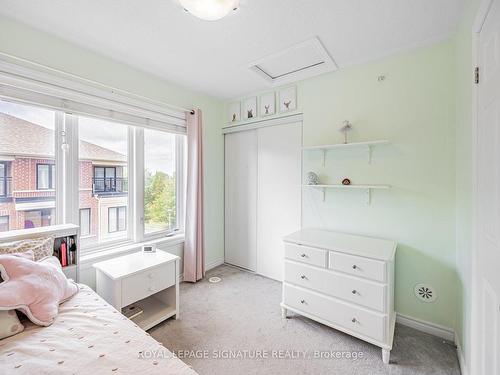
x=102, y=85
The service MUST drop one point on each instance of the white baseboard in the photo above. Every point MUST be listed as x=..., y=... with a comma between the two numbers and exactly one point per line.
x=214, y=264
x=461, y=357
x=427, y=327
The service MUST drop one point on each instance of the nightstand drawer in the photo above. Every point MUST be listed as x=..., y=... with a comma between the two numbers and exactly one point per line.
x=144, y=284
x=305, y=254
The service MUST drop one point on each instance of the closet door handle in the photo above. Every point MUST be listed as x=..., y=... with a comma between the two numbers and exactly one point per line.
x=303, y=277
x=303, y=255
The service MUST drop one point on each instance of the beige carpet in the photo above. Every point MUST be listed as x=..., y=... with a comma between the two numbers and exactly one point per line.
x=241, y=317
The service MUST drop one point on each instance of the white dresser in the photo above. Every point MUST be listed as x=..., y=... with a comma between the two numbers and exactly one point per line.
x=343, y=281
x=147, y=280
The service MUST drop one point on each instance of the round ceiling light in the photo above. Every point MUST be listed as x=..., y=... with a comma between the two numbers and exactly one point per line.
x=210, y=10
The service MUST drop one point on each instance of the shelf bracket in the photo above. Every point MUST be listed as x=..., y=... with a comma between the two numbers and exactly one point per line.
x=323, y=194
x=368, y=194
x=324, y=157
x=369, y=153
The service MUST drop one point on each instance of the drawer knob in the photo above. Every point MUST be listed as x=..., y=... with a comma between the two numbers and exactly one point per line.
x=303, y=301
x=303, y=255
x=354, y=291
x=354, y=267
x=303, y=277
x=354, y=320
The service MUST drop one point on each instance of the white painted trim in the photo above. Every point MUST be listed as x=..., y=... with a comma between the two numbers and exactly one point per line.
x=216, y=263
x=427, y=327
x=461, y=356
x=482, y=13
x=39, y=85
x=280, y=120
x=58, y=74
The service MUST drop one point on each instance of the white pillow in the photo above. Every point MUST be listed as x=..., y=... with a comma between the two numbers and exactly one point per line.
x=9, y=324
x=42, y=247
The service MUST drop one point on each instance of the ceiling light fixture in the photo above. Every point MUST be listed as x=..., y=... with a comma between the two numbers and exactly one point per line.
x=210, y=10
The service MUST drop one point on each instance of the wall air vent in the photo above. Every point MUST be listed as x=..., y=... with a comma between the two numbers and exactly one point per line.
x=300, y=61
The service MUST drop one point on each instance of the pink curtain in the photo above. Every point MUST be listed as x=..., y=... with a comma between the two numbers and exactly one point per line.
x=194, y=252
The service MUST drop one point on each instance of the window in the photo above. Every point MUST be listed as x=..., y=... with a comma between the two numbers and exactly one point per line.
x=160, y=181
x=38, y=185
x=4, y=223
x=103, y=164
x=117, y=219
x=38, y=218
x=85, y=222
x=28, y=166
x=45, y=176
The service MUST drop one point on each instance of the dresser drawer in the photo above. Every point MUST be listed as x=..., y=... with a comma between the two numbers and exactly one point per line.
x=362, y=292
x=305, y=254
x=144, y=284
x=347, y=316
x=358, y=266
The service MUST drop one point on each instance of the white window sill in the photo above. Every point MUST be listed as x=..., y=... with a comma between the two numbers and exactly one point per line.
x=117, y=250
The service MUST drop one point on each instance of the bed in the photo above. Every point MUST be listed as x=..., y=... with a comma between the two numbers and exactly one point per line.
x=88, y=337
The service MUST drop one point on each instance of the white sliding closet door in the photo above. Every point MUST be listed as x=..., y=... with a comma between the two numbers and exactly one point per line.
x=241, y=199
x=278, y=194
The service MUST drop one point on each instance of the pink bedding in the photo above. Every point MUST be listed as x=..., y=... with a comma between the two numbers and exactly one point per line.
x=88, y=337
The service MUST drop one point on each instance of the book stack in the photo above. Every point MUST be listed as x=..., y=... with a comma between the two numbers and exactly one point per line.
x=65, y=250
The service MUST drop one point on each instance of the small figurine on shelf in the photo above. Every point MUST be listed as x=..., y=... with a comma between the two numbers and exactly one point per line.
x=346, y=128
x=312, y=178
x=346, y=181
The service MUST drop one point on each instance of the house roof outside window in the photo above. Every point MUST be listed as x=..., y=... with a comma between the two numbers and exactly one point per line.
x=21, y=138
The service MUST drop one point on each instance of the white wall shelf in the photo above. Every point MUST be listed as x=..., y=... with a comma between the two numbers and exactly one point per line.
x=366, y=145
x=367, y=188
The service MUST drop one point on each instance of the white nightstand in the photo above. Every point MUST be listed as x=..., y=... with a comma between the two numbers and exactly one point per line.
x=149, y=280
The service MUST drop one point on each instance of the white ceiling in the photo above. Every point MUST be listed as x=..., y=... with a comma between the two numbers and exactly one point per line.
x=213, y=57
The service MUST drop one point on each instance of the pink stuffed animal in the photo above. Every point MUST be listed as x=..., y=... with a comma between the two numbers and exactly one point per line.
x=35, y=288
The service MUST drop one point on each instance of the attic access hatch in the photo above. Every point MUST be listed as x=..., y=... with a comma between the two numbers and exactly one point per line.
x=300, y=61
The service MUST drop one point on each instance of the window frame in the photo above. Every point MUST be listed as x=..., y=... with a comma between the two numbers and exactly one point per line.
x=64, y=179
x=89, y=223
x=52, y=177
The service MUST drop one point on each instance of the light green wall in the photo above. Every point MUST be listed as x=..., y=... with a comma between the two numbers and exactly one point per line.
x=464, y=135
x=21, y=41
x=414, y=108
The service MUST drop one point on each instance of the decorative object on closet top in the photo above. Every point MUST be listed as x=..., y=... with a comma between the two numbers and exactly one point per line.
x=346, y=128
x=234, y=112
x=312, y=178
x=343, y=281
x=268, y=104
x=250, y=108
x=288, y=99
